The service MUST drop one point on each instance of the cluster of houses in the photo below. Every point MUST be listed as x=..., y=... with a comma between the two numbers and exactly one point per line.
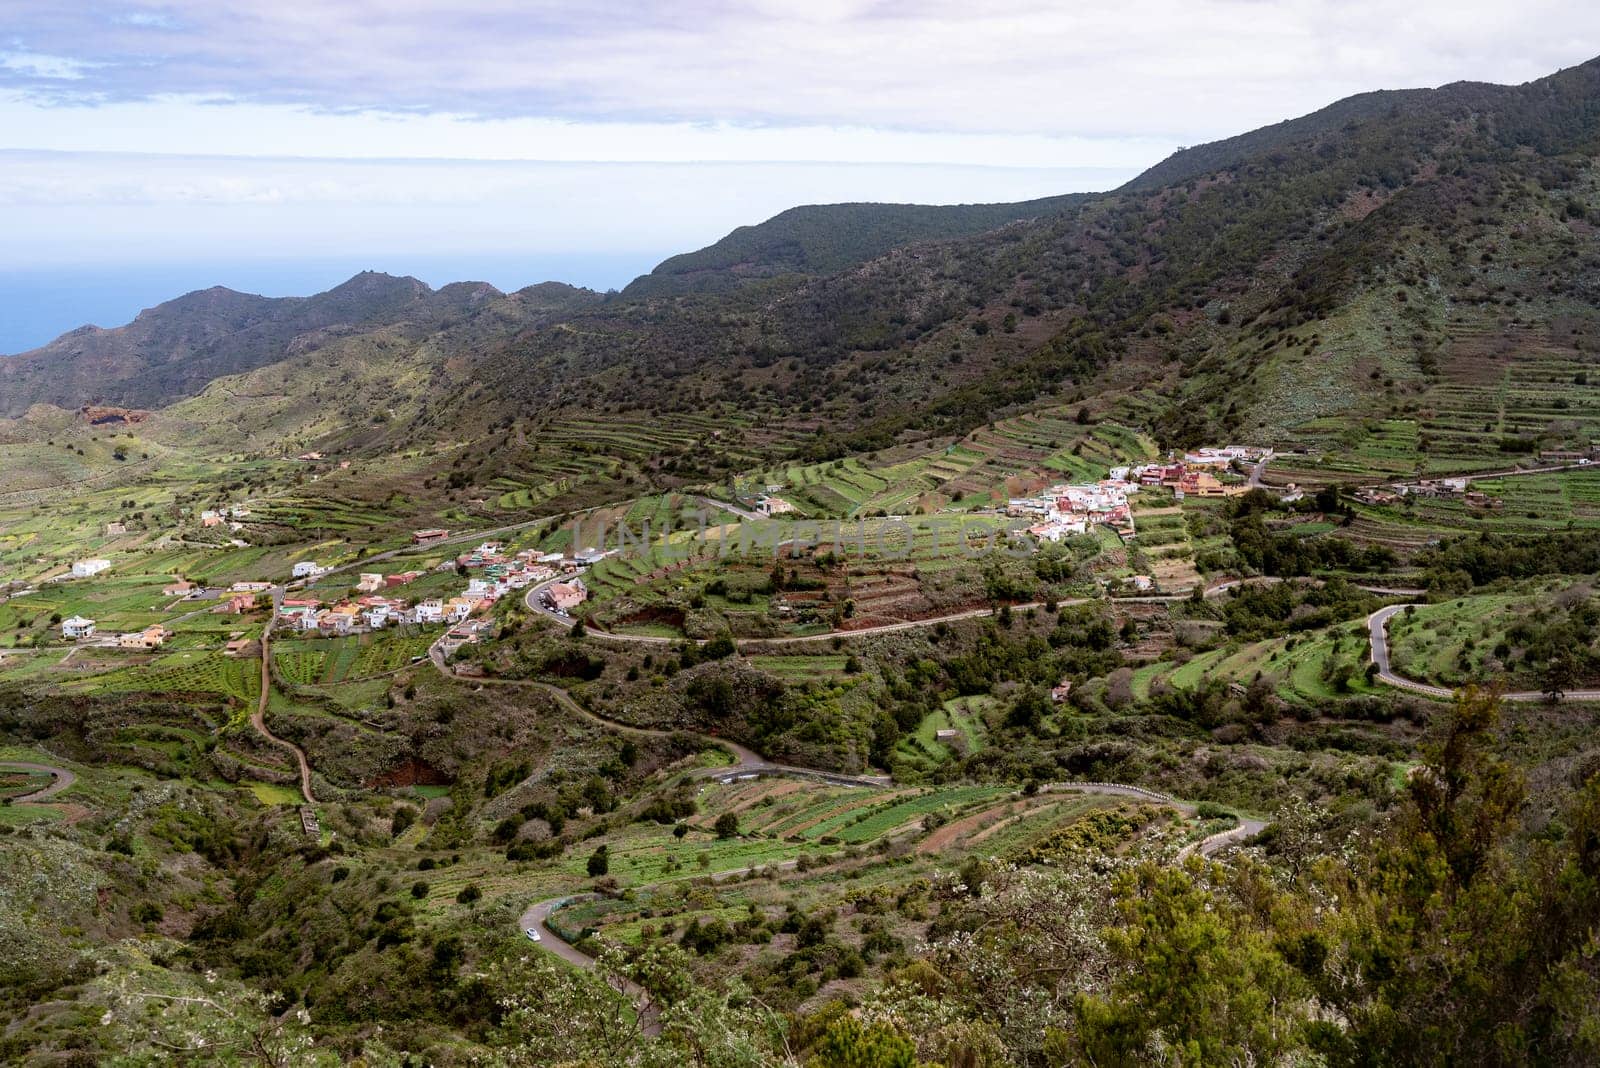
x=1195, y=475
x=377, y=608
x=1429, y=489
x=1063, y=511
x=216, y=517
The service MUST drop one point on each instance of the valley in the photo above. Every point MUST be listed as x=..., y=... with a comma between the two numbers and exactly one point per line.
x=1031, y=634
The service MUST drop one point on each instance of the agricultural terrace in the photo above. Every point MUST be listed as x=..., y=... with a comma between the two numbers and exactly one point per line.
x=1488, y=409
x=869, y=897
x=181, y=674
x=911, y=569
x=329, y=661
x=1303, y=669
x=572, y=452
x=1527, y=504
x=126, y=598
x=922, y=750
x=981, y=470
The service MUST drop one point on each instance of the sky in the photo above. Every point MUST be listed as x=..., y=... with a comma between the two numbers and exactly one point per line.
x=148, y=148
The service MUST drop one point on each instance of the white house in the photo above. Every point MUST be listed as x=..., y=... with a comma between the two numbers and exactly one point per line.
x=430, y=612
x=307, y=569
x=773, y=506
x=86, y=568
x=77, y=627
x=371, y=582
x=377, y=617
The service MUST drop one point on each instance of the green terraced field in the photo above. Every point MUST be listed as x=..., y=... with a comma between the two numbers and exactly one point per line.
x=326, y=661
x=182, y=673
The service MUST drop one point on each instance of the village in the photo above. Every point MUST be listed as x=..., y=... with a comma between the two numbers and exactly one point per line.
x=1069, y=510
x=373, y=605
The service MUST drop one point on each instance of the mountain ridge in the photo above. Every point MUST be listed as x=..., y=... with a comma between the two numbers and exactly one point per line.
x=1195, y=280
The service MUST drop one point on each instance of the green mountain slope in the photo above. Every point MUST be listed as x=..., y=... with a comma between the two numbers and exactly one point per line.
x=1412, y=256
x=827, y=238
x=171, y=351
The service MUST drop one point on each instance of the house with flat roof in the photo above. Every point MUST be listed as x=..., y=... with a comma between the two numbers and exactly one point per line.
x=77, y=628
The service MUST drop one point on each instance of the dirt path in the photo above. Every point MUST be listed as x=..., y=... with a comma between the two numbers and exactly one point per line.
x=258, y=718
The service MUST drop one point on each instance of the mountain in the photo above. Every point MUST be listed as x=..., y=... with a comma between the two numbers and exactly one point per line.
x=1360, y=262
x=1418, y=256
x=827, y=238
x=173, y=350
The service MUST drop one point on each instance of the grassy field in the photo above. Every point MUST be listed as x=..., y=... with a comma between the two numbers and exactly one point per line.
x=1468, y=639
x=922, y=750
x=1296, y=664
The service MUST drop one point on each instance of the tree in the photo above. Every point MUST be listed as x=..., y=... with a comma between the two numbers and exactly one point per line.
x=1202, y=986
x=849, y=1043
x=1560, y=674
x=599, y=861
x=727, y=825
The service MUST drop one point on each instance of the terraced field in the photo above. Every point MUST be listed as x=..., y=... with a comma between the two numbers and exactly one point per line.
x=1502, y=381
x=982, y=469
x=327, y=661
x=182, y=673
x=1465, y=640
x=1529, y=504
x=1007, y=826
x=1295, y=664
x=897, y=569
x=922, y=749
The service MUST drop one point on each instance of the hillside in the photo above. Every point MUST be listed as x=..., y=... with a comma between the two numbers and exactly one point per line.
x=828, y=238
x=173, y=350
x=821, y=659
x=1412, y=256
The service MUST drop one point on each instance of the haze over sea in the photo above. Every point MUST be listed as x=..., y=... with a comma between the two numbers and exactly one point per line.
x=38, y=305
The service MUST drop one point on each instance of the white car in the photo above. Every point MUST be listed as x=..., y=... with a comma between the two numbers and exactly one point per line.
x=533, y=934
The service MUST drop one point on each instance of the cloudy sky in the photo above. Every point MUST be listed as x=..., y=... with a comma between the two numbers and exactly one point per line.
x=278, y=144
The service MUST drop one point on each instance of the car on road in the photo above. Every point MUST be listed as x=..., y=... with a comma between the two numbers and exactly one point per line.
x=533, y=933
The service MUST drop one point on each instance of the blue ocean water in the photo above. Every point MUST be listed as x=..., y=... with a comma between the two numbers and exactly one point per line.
x=38, y=305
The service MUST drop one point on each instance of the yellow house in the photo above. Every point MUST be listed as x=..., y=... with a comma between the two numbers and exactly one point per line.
x=152, y=637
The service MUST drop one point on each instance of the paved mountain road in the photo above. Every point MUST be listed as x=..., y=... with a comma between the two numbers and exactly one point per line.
x=1378, y=637
x=537, y=916
x=61, y=779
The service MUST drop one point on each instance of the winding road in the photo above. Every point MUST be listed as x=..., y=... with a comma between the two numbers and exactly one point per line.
x=537, y=916
x=61, y=778
x=1378, y=637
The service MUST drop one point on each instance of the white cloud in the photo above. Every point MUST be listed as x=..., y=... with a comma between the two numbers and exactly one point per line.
x=1159, y=69
x=40, y=65
x=191, y=125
